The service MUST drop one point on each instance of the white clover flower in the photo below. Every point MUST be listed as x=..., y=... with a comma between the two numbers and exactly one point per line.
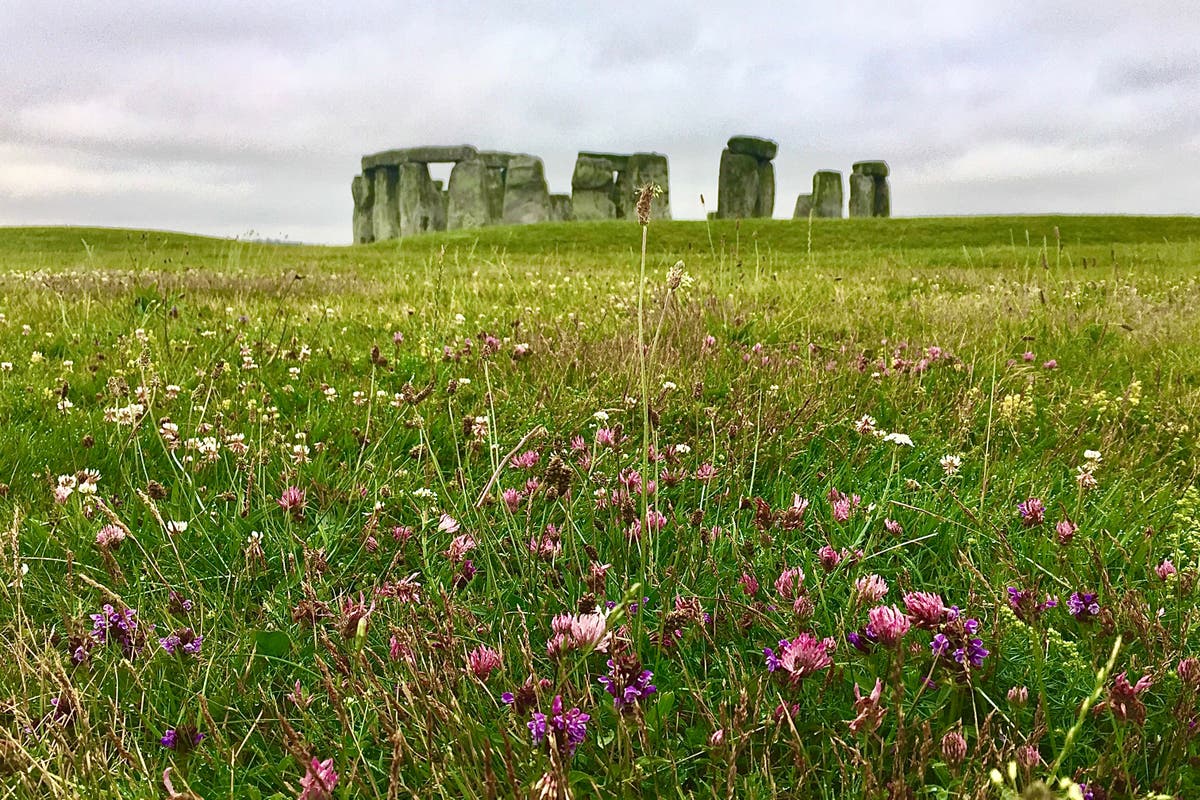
x=899, y=438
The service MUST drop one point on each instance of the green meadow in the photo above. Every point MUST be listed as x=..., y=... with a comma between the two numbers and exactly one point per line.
x=885, y=508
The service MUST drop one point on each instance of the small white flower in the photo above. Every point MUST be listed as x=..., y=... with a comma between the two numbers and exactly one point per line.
x=899, y=438
x=951, y=464
x=1093, y=455
x=600, y=416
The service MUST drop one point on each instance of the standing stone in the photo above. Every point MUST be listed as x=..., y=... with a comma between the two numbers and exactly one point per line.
x=878, y=171
x=468, y=204
x=560, y=208
x=883, y=198
x=526, y=196
x=827, y=194
x=495, y=193
x=362, y=189
x=386, y=210
x=760, y=149
x=420, y=202
x=764, y=204
x=862, y=195
x=643, y=168
x=625, y=195
x=737, y=186
x=593, y=184
x=593, y=204
x=804, y=206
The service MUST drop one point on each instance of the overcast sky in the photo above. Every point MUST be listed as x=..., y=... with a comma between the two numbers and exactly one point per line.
x=227, y=116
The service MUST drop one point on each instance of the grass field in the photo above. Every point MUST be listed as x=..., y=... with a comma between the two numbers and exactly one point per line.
x=862, y=508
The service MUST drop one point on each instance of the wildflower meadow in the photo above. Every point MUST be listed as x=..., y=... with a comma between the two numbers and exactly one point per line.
x=875, y=508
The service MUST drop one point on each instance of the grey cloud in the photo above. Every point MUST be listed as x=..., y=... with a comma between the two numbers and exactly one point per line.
x=223, y=116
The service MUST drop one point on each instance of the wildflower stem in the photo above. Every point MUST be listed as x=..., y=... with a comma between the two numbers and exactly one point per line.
x=645, y=510
x=1101, y=680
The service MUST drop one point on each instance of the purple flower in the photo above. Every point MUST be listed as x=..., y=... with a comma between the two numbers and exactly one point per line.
x=1025, y=605
x=121, y=627
x=184, y=639
x=1083, y=606
x=182, y=739
x=568, y=729
x=627, y=682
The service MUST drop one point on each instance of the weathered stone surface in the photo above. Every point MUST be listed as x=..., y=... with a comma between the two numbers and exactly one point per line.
x=883, y=198
x=495, y=159
x=764, y=204
x=643, y=168
x=625, y=196
x=761, y=149
x=593, y=173
x=560, y=208
x=468, y=205
x=827, y=194
x=862, y=195
x=420, y=155
x=804, y=205
x=873, y=168
x=619, y=161
x=495, y=194
x=737, y=186
x=362, y=189
x=421, y=205
x=526, y=196
x=592, y=204
x=386, y=209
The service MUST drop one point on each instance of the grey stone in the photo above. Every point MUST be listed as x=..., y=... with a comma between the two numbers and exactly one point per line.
x=762, y=149
x=804, y=206
x=593, y=204
x=862, y=195
x=883, y=198
x=764, y=204
x=737, y=186
x=560, y=208
x=468, y=205
x=385, y=212
x=643, y=168
x=625, y=196
x=592, y=172
x=362, y=189
x=873, y=168
x=619, y=161
x=495, y=159
x=827, y=194
x=420, y=155
x=526, y=196
x=495, y=194
x=421, y=204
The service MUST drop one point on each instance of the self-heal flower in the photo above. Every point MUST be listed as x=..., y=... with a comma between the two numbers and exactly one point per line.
x=564, y=731
x=627, y=682
x=184, y=640
x=1083, y=606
